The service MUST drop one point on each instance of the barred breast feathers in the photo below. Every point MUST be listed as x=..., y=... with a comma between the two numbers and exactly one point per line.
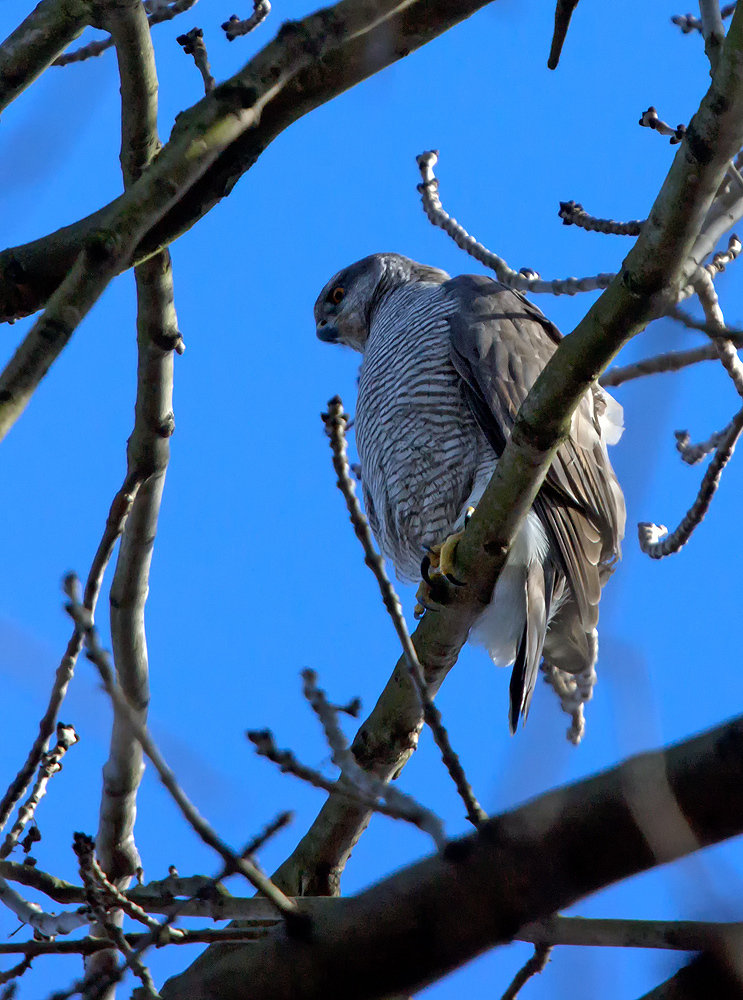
x=419, y=445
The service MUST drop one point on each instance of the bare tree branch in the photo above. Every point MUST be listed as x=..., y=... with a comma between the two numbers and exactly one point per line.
x=523, y=282
x=374, y=795
x=654, y=539
x=357, y=47
x=673, y=361
x=694, y=453
x=517, y=868
x=51, y=762
x=15, y=973
x=164, y=12
x=93, y=880
x=101, y=660
x=200, y=135
x=114, y=526
x=204, y=898
x=710, y=303
x=47, y=31
x=91, y=945
x=573, y=214
x=257, y=913
x=650, y=119
x=673, y=935
x=48, y=924
x=712, y=330
x=271, y=829
x=235, y=28
x=193, y=45
x=147, y=459
x=536, y=964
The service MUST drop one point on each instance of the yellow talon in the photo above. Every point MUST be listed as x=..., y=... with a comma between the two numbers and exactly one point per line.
x=448, y=557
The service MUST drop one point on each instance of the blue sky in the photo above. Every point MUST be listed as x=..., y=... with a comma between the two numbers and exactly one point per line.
x=256, y=572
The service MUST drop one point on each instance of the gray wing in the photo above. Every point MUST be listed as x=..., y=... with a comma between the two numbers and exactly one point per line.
x=500, y=342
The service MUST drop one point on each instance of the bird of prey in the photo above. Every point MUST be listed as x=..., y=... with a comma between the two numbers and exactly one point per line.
x=447, y=362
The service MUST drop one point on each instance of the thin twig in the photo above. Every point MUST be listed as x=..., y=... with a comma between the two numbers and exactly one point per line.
x=650, y=535
x=51, y=762
x=731, y=333
x=722, y=258
x=270, y=830
x=114, y=526
x=536, y=964
x=692, y=454
x=707, y=294
x=193, y=45
x=90, y=945
x=234, y=27
x=650, y=119
x=16, y=972
x=335, y=423
x=370, y=796
x=530, y=282
x=203, y=896
x=93, y=880
x=573, y=214
x=98, y=656
x=164, y=933
x=367, y=784
x=164, y=12
x=88, y=51
x=673, y=361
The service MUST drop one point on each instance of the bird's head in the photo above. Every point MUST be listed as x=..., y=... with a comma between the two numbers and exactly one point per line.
x=344, y=308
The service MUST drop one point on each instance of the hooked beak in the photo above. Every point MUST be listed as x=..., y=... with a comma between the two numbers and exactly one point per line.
x=327, y=332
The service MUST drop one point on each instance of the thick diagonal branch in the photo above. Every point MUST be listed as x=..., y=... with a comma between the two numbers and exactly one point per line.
x=357, y=41
x=522, y=866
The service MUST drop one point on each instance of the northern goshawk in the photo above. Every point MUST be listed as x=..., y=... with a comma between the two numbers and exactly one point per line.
x=447, y=363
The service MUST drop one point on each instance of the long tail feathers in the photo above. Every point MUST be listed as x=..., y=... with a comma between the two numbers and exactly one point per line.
x=538, y=589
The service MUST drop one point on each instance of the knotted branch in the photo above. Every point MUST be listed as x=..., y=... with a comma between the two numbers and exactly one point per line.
x=235, y=28
x=573, y=214
x=524, y=282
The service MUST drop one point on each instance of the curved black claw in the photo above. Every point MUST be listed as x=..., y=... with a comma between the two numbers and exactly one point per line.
x=425, y=567
x=453, y=580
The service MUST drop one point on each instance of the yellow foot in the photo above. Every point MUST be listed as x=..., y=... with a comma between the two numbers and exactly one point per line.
x=441, y=559
x=438, y=564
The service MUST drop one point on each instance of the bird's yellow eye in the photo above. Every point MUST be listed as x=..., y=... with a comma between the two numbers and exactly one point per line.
x=337, y=294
